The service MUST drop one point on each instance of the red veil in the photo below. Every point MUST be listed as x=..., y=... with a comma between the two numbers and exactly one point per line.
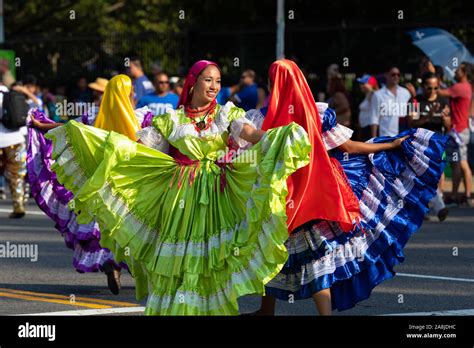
x=319, y=190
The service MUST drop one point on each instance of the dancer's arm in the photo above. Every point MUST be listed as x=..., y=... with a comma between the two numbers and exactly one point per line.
x=44, y=126
x=251, y=134
x=358, y=147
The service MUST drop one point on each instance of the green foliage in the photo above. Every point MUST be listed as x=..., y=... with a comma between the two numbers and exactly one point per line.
x=63, y=38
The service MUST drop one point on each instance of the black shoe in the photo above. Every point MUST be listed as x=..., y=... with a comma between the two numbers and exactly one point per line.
x=450, y=202
x=443, y=214
x=113, y=278
x=16, y=215
x=465, y=201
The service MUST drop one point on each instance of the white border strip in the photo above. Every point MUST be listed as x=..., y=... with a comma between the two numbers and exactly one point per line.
x=460, y=312
x=91, y=311
x=435, y=277
x=448, y=312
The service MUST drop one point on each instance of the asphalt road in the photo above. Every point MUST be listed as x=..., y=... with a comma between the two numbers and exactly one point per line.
x=50, y=284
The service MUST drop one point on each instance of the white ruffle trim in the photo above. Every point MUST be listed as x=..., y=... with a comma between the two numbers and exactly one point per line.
x=336, y=136
x=322, y=107
x=219, y=126
x=151, y=137
x=236, y=128
x=256, y=117
x=141, y=112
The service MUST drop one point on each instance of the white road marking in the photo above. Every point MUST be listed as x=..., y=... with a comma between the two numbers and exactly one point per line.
x=28, y=212
x=435, y=277
x=448, y=312
x=92, y=311
x=459, y=312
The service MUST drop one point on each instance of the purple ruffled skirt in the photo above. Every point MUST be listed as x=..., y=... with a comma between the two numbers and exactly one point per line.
x=53, y=199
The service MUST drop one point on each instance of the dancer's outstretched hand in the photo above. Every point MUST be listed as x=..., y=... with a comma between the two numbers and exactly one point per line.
x=43, y=126
x=397, y=143
x=35, y=123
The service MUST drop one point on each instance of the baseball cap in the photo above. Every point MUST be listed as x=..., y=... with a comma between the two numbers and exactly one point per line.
x=368, y=79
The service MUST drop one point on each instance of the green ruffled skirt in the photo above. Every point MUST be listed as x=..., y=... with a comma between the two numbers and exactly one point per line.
x=192, y=248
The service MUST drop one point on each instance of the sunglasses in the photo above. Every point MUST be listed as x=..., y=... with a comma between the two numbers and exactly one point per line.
x=432, y=88
x=163, y=82
x=395, y=74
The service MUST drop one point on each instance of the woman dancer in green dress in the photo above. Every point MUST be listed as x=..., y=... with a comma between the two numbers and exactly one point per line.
x=197, y=232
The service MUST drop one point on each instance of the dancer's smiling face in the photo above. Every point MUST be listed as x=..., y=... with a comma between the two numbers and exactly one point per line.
x=207, y=86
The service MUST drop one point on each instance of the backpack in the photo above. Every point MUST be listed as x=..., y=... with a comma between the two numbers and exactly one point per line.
x=15, y=110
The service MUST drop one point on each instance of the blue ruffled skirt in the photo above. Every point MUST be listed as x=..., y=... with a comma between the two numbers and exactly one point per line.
x=394, y=189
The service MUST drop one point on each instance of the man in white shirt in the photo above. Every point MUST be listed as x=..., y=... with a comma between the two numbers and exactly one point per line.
x=389, y=105
x=13, y=162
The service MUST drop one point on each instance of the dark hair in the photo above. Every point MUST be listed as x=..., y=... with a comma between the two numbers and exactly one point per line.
x=137, y=62
x=389, y=67
x=428, y=75
x=30, y=80
x=439, y=71
x=467, y=69
x=250, y=72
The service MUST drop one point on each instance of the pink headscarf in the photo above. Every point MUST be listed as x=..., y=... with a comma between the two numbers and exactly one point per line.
x=191, y=79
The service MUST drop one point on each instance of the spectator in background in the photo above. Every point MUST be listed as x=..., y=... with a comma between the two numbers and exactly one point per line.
x=31, y=91
x=98, y=88
x=6, y=75
x=332, y=71
x=60, y=96
x=440, y=73
x=432, y=112
x=389, y=105
x=82, y=94
x=368, y=85
x=13, y=160
x=460, y=95
x=162, y=99
x=226, y=93
x=470, y=148
x=425, y=66
x=178, y=86
x=141, y=85
x=263, y=95
x=49, y=102
x=339, y=101
x=248, y=96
